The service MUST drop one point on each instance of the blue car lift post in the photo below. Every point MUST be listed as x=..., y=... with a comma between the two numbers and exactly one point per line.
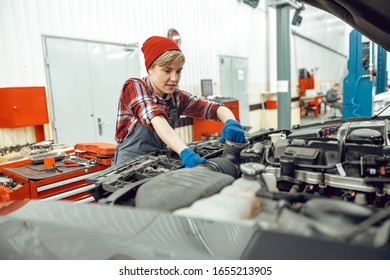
x=358, y=84
x=357, y=97
x=381, y=77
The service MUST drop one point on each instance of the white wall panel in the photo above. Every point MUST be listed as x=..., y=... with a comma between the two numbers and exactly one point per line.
x=208, y=28
x=327, y=54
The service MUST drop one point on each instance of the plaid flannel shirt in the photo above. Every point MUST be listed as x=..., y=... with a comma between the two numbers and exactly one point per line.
x=138, y=104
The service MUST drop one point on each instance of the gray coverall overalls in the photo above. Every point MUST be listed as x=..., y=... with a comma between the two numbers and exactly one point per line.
x=143, y=140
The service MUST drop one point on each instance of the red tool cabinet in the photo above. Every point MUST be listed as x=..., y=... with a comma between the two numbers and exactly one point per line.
x=201, y=128
x=24, y=106
x=71, y=184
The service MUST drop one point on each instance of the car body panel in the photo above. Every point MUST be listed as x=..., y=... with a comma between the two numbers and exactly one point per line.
x=370, y=17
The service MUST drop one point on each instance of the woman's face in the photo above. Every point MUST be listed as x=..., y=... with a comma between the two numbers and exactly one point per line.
x=165, y=79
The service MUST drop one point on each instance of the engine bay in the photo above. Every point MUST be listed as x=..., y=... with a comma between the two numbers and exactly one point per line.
x=328, y=180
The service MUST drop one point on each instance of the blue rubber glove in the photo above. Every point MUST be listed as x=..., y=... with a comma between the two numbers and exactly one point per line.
x=190, y=159
x=232, y=130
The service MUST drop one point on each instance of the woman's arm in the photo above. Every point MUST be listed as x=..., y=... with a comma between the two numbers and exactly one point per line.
x=188, y=157
x=225, y=114
x=168, y=134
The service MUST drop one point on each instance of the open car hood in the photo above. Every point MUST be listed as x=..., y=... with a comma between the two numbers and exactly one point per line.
x=369, y=17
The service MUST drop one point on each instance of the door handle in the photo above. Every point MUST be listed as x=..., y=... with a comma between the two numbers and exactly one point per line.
x=100, y=126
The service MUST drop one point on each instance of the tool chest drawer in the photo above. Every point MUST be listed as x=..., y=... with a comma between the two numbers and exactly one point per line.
x=34, y=182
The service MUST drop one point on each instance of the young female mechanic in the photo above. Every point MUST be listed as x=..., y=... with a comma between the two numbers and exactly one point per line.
x=149, y=108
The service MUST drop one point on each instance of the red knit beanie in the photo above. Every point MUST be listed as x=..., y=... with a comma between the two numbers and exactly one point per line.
x=156, y=46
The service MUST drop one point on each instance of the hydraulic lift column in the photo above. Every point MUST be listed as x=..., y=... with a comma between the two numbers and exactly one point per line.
x=283, y=59
x=358, y=95
x=283, y=65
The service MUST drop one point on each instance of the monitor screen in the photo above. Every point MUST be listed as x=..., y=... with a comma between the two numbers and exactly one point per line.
x=207, y=87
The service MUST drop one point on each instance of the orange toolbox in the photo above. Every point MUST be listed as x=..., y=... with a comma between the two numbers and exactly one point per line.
x=102, y=152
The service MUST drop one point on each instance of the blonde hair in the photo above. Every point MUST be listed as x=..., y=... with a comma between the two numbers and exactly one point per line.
x=169, y=57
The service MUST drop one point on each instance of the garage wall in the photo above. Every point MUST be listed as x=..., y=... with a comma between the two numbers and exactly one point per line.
x=320, y=44
x=208, y=29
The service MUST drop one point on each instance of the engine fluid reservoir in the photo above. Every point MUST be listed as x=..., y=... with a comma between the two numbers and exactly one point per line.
x=249, y=179
x=222, y=207
x=235, y=202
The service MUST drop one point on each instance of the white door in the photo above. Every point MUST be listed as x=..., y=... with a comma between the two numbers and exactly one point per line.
x=84, y=83
x=233, y=73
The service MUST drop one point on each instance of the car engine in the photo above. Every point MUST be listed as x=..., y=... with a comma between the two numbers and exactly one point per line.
x=329, y=180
